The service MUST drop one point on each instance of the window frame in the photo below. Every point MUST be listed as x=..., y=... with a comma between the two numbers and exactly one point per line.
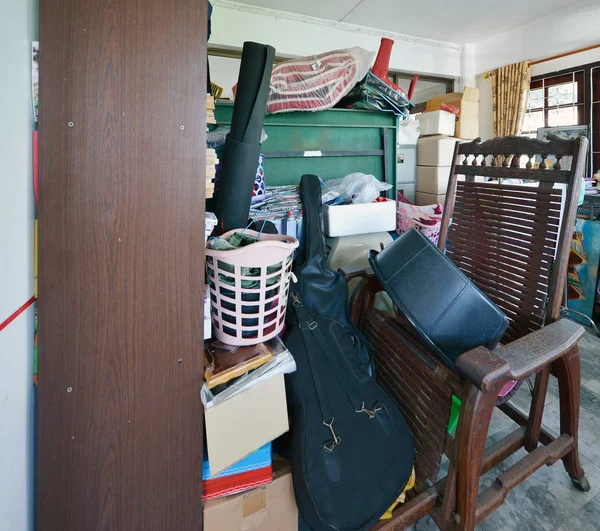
x=587, y=102
x=547, y=82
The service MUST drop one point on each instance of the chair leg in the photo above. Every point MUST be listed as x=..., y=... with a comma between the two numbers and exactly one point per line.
x=475, y=416
x=568, y=371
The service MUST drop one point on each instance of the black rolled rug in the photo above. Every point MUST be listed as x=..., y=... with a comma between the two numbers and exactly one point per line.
x=242, y=145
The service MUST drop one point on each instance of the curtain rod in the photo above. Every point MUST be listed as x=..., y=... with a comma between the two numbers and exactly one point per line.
x=566, y=54
x=559, y=56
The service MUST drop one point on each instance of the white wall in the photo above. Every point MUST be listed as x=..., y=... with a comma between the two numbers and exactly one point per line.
x=224, y=72
x=232, y=24
x=18, y=27
x=557, y=32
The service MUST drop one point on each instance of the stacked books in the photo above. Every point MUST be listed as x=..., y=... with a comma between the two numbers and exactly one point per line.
x=251, y=472
x=210, y=109
x=211, y=171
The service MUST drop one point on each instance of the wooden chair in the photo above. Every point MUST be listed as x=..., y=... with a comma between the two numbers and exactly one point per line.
x=513, y=241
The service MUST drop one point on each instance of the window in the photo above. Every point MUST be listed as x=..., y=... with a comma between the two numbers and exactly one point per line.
x=427, y=87
x=569, y=97
x=595, y=119
x=555, y=101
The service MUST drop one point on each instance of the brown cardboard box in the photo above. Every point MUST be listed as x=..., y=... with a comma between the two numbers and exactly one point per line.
x=245, y=422
x=433, y=179
x=467, y=126
x=268, y=508
x=424, y=199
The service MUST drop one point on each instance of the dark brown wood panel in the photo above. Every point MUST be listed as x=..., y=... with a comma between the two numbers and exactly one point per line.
x=121, y=212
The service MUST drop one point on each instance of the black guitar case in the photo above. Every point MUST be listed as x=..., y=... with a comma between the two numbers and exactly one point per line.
x=351, y=450
x=325, y=291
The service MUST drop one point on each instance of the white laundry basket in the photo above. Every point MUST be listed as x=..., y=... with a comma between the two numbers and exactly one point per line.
x=249, y=288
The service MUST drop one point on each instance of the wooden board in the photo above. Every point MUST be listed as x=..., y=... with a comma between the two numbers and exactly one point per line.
x=120, y=265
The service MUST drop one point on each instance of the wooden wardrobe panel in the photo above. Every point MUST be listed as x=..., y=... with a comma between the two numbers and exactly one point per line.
x=121, y=264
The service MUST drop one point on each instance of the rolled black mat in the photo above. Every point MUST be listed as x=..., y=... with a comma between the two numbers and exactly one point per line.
x=238, y=171
x=242, y=146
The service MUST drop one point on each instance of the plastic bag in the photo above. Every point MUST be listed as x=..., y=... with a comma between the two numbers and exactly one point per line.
x=373, y=94
x=356, y=188
x=318, y=82
x=407, y=132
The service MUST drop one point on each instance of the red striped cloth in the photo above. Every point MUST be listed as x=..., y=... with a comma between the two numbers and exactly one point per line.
x=316, y=83
x=227, y=485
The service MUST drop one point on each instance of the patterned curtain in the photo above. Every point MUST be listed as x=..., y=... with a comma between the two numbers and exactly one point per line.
x=510, y=90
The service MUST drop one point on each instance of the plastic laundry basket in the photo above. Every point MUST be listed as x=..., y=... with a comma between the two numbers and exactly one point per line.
x=249, y=288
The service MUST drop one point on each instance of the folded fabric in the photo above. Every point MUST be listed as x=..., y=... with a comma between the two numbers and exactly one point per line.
x=402, y=498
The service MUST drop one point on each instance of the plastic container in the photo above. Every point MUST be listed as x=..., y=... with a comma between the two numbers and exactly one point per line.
x=249, y=288
x=427, y=220
x=347, y=220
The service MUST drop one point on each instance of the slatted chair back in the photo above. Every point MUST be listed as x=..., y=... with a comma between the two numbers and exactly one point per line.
x=419, y=386
x=513, y=239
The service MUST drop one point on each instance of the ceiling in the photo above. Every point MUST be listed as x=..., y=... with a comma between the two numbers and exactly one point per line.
x=461, y=22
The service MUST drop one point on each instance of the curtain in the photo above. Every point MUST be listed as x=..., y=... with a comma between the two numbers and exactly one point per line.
x=510, y=91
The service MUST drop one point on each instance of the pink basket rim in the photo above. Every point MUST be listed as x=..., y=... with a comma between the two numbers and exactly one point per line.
x=282, y=241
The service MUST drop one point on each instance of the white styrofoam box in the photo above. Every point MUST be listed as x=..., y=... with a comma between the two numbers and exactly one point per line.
x=425, y=199
x=437, y=123
x=433, y=179
x=346, y=220
x=436, y=150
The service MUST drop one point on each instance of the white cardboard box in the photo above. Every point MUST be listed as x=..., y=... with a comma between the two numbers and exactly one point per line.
x=437, y=123
x=436, y=150
x=433, y=179
x=425, y=199
x=347, y=220
x=241, y=424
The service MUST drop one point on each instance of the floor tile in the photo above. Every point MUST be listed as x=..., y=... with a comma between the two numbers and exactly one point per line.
x=589, y=423
x=586, y=519
x=548, y=501
x=522, y=398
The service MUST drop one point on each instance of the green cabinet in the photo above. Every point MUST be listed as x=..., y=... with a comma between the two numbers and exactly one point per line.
x=330, y=144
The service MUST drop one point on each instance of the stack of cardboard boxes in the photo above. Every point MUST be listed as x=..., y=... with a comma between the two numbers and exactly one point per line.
x=440, y=130
x=243, y=484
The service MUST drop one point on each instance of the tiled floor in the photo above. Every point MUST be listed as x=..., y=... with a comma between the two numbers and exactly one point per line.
x=547, y=501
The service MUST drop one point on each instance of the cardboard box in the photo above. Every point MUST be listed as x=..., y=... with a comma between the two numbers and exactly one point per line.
x=268, y=508
x=467, y=125
x=436, y=150
x=433, y=179
x=425, y=199
x=437, y=123
x=240, y=425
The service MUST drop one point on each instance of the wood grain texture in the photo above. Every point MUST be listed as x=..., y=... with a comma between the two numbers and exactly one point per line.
x=506, y=237
x=422, y=397
x=121, y=275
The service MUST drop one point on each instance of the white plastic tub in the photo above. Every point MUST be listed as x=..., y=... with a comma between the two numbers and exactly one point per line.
x=347, y=220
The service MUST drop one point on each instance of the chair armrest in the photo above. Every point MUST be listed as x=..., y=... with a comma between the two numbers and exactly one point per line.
x=351, y=272
x=522, y=358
